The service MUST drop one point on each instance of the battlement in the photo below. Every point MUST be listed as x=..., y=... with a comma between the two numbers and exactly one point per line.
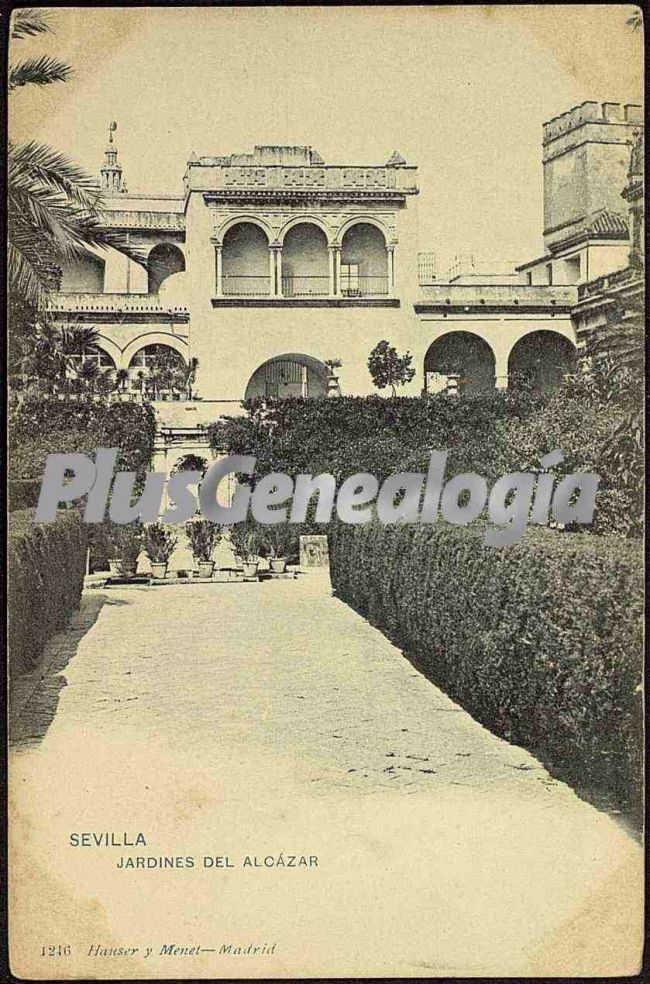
x=591, y=112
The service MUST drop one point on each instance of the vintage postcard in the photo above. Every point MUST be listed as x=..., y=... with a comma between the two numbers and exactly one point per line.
x=325, y=482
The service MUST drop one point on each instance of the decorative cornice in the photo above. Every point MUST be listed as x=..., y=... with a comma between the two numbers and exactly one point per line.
x=500, y=307
x=308, y=197
x=124, y=317
x=141, y=219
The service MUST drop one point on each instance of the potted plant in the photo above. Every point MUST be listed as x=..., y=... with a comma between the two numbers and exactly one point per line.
x=125, y=546
x=280, y=542
x=246, y=542
x=333, y=387
x=203, y=536
x=251, y=554
x=159, y=543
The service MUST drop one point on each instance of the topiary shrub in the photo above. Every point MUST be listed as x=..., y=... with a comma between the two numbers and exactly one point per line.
x=46, y=563
x=540, y=641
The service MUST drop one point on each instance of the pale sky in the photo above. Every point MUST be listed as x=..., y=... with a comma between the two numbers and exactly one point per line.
x=460, y=91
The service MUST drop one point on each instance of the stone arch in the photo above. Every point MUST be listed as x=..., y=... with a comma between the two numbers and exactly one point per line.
x=234, y=220
x=140, y=356
x=111, y=349
x=305, y=261
x=190, y=461
x=96, y=354
x=291, y=374
x=367, y=220
x=104, y=359
x=540, y=358
x=155, y=338
x=364, y=260
x=164, y=260
x=307, y=219
x=463, y=355
x=245, y=260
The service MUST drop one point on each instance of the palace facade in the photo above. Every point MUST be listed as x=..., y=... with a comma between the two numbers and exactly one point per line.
x=267, y=265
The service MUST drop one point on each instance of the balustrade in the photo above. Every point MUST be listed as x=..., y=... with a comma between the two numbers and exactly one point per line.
x=279, y=283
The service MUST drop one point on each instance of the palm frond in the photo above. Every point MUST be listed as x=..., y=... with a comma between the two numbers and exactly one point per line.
x=29, y=21
x=37, y=162
x=23, y=275
x=54, y=215
x=38, y=71
x=78, y=338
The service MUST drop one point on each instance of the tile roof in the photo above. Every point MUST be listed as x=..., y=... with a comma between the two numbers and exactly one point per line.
x=606, y=223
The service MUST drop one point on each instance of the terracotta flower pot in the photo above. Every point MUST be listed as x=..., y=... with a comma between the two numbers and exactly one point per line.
x=159, y=570
x=206, y=568
x=250, y=568
x=278, y=565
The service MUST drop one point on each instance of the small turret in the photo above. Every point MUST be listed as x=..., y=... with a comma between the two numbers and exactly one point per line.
x=111, y=171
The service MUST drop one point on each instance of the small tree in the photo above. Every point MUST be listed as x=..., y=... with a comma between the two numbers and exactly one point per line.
x=387, y=368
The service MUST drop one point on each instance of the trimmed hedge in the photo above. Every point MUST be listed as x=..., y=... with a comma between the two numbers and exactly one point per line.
x=45, y=572
x=41, y=425
x=540, y=641
x=492, y=434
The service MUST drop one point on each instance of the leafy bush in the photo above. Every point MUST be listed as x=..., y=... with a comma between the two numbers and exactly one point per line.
x=46, y=563
x=39, y=426
x=282, y=540
x=345, y=435
x=203, y=536
x=492, y=434
x=247, y=540
x=541, y=641
x=159, y=543
x=23, y=493
x=125, y=544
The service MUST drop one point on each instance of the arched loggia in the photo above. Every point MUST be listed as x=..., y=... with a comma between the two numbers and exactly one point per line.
x=288, y=375
x=540, y=359
x=164, y=260
x=462, y=356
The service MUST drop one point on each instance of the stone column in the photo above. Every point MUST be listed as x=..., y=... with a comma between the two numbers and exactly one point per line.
x=501, y=372
x=332, y=268
x=272, y=287
x=390, y=255
x=278, y=267
x=219, y=264
x=335, y=270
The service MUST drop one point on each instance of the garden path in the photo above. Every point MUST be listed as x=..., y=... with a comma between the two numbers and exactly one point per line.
x=253, y=719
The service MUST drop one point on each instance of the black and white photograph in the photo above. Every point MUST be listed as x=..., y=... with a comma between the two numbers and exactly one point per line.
x=325, y=491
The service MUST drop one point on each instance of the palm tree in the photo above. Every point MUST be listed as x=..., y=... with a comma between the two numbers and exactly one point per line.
x=34, y=71
x=121, y=379
x=53, y=206
x=89, y=374
x=49, y=354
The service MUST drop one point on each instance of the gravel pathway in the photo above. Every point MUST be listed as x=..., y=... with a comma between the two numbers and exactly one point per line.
x=253, y=720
